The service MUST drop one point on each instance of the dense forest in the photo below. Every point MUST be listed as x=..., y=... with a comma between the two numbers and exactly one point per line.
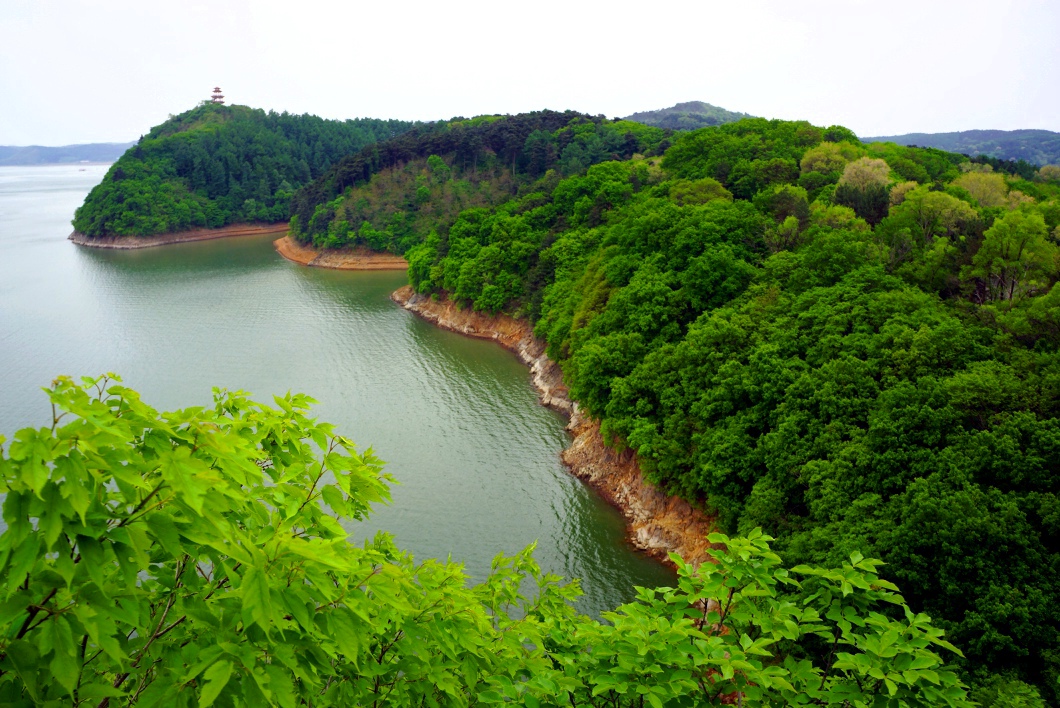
x=390, y=194
x=687, y=116
x=851, y=346
x=1041, y=147
x=215, y=165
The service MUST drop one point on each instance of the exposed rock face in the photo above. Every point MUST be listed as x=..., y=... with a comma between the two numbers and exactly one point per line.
x=658, y=522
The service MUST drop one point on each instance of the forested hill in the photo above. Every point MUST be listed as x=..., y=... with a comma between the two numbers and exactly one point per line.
x=40, y=155
x=1037, y=147
x=216, y=165
x=391, y=194
x=687, y=116
x=855, y=347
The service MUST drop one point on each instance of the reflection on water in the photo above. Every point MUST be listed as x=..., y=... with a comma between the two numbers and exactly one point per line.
x=456, y=419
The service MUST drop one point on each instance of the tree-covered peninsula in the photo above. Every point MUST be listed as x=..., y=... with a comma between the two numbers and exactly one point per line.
x=216, y=165
x=853, y=347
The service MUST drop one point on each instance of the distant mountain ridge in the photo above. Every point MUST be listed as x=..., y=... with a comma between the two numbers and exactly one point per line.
x=688, y=116
x=41, y=155
x=1039, y=147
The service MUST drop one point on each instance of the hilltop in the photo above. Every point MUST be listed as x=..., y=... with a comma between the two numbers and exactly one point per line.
x=687, y=116
x=217, y=165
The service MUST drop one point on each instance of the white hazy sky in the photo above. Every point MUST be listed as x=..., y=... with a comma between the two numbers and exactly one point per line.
x=107, y=70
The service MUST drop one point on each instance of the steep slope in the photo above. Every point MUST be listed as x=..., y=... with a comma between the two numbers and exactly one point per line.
x=687, y=116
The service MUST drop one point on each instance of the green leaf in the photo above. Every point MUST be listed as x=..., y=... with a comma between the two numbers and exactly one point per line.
x=281, y=686
x=334, y=499
x=346, y=632
x=25, y=658
x=65, y=668
x=163, y=529
x=215, y=678
x=22, y=562
x=99, y=690
x=92, y=558
x=257, y=604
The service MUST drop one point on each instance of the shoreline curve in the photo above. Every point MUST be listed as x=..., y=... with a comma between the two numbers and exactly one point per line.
x=126, y=243
x=344, y=259
x=657, y=523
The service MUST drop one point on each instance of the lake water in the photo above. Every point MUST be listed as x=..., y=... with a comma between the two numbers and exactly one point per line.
x=456, y=419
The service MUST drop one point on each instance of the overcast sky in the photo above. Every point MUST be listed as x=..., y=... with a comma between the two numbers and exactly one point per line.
x=107, y=70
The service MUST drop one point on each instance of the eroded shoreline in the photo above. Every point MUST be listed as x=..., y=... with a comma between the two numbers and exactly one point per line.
x=344, y=259
x=658, y=523
x=133, y=242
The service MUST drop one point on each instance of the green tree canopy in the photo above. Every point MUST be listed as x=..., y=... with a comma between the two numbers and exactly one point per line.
x=1016, y=257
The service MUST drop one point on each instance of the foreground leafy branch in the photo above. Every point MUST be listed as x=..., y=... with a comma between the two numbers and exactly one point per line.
x=196, y=557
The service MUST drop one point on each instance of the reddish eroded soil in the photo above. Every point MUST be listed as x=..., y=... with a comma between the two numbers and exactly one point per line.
x=339, y=259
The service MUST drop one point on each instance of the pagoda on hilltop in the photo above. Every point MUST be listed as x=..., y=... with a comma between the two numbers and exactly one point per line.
x=217, y=96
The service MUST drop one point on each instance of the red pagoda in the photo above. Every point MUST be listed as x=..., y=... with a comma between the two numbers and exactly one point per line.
x=217, y=96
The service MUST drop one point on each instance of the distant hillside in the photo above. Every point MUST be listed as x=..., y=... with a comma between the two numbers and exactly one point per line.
x=1039, y=147
x=39, y=155
x=688, y=116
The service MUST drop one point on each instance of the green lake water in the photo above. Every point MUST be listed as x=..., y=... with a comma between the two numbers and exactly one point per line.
x=456, y=419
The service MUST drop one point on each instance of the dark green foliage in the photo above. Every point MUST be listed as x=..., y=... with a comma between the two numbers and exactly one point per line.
x=870, y=203
x=783, y=200
x=215, y=165
x=744, y=156
x=839, y=134
x=1020, y=168
x=687, y=116
x=479, y=163
x=841, y=388
x=922, y=165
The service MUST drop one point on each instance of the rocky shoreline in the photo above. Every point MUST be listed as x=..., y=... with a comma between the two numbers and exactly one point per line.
x=658, y=523
x=339, y=259
x=134, y=242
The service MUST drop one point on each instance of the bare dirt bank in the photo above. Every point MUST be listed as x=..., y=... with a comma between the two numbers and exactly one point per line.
x=658, y=523
x=130, y=242
x=340, y=259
